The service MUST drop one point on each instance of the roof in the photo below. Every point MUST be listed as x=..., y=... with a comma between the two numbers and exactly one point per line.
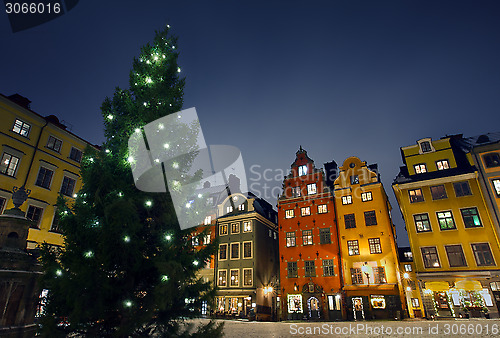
x=480, y=140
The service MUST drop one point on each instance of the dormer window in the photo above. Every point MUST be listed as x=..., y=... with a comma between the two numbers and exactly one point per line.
x=425, y=146
x=302, y=170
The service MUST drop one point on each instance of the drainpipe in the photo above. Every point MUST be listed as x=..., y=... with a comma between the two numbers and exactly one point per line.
x=34, y=153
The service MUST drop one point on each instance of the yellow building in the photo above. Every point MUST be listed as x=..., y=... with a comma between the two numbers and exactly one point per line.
x=450, y=229
x=414, y=305
x=40, y=154
x=370, y=268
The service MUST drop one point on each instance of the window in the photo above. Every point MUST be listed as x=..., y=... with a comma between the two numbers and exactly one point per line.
x=235, y=277
x=235, y=228
x=422, y=222
x=290, y=239
x=235, y=250
x=483, y=255
x=491, y=160
x=496, y=186
x=310, y=269
x=206, y=239
x=471, y=218
x=354, y=179
x=292, y=269
x=416, y=195
x=379, y=275
x=353, y=247
x=75, y=155
x=34, y=214
x=222, y=252
x=3, y=202
x=445, y=220
x=374, y=244
x=442, y=165
x=322, y=209
x=324, y=236
x=54, y=144
x=229, y=209
x=222, y=281
x=241, y=207
x=55, y=222
x=328, y=269
x=9, y=164
x=44, y=178
x=370, y=218
x=456, y=257
x=415, y=303
x=438, y=192
x=247, y=249
x=366, y=196
x=247, y=226
x=462, y=189
x=247, y=277
x=356, y=276
x=306, y=211
x=425, y=146
x=347, y=199
x=408, y=268
x=68, y=186
x=311, y=188
x=22, y=128
x=223, y=229
x=207, y=220
x=302, y=170
x=195, y=241
x=350, y=221
x=290, y=213
x=296, y=192
x=420, y=168
x=307, y=237
x=430, y=257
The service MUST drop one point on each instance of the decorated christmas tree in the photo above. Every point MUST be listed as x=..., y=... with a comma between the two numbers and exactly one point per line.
x=127, y=268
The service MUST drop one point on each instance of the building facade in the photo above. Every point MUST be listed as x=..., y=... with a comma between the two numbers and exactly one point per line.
x=369, y=255
x=308, y=245
x=247, y=268
x=40, y=154
x=451, y=232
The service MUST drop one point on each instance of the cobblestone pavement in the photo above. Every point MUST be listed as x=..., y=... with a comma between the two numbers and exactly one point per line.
x=417, y=329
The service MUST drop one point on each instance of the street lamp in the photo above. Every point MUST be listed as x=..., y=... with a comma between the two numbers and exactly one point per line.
x=366, y=270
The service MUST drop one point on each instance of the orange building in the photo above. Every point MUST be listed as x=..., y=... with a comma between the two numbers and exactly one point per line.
x=308, y=244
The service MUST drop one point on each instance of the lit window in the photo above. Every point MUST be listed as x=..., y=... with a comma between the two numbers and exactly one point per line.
x=483, y=255
x=296, y=192
x=370, y=218
x=356, y=276
x=430, y=257
x=222, y=280
x=305, y=211
x=241, y=207
x=366, y=196
x=378, y=302
x=311, y=188
x=302, y=170
x=44, y=178
x=353, y=248
x=328, y=269
x=22, y=128
x=462, y=189
x=379, y=275
x=491, y=160
x=75, y=155
x=408, y=268
x=247, y=226
x=290, y=239
x=415, y=303
x=354, y=179
x=445, y=220
x=222, y=251
x=247, y=277
x=422, y=222
x=471, y=218
x=223, y=229
x=347, y=199
x=307, y=237
x=420, y=168
x=34, y=214
x=235, y=277
x=195, y=241
x=9, y=164
x=416, y=195
x=247, y=249
x=374, y=244
x=438, y=192
x=322, y=209
x=54, y=144
x=235, y=228
x=206, y=239
x=442, y=165
x=229, y=209
x=68, y=186
x=324, y=236
x=290, y=213
x=496, y=186
x=350, y=221
x=208, y=220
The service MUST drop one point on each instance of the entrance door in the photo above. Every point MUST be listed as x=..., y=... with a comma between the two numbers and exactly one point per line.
x=357, y=307
x=314, y=308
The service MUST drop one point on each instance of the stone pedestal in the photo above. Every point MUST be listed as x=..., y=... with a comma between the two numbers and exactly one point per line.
x=19, y=271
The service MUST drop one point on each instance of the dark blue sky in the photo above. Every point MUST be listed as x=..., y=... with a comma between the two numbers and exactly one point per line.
x=340, y=78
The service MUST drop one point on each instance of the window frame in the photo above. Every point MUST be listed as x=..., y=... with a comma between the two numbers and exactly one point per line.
x=305, y=211
x=251, y=249
x=461, y=185
x=379, y=275
x=251, y=277
x=65, y=177
x=328, y=268
x=416, y=222
x=346, y=200
x=462, y=210
x=446, y=218
x=454, y=255
x=231, y=251
x=219, y=284
x=289, y=213
x=436, y=197
x=356, y=276
x=489, y=160
x=415, y=198
x=375, y=245
x=312, y=189
x=353, y=247
x=21, y=128
x=225, y=228
x=443, y=166
x=235, y=228
x=40, y=216
x=350, y=223
x=226, y=251
x=307, y=239
x=366, y=196
x=292, y=270
x=370, y=218
x=8, y=166
x=420, y=168
x=77, y=159
x=231, y=285
x=496, y=188
x=42, y=183
x=436, y=253
x=289, y=237
x=302, y=170
x=322, y=209
x=309, y=269
x=493, y=263
x=324, y=237
x=57, y=144
x=247, y=226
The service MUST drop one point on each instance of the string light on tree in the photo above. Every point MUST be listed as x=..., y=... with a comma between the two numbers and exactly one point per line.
x=195, y=263
x=149, y=203
x=110, y=117
x=168, y=237
x=88, y=254
x=59, y=272
x=126, y=239
x=164, y=278
x=127, y=303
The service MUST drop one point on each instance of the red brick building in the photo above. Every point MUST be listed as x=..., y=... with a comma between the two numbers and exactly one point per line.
x=308, y=244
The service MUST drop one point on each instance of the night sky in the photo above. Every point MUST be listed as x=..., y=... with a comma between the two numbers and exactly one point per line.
x=340, y=78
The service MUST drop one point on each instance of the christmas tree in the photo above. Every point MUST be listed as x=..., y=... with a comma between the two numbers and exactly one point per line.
x=127, y=269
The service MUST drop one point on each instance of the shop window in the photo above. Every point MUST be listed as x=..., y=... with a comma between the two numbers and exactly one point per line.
x=294, y=303
x=378, y=302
